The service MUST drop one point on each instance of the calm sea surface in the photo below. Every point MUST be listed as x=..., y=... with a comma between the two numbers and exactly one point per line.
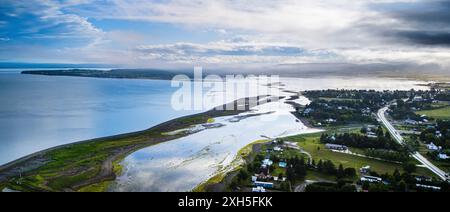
x=39, y=112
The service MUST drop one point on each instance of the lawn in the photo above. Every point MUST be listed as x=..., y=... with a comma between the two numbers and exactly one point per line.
x=311, y=144
x=317, y=176
x=441, y=113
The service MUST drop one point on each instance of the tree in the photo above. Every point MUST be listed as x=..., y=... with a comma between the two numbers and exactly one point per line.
x=285, y=186
x=409, y=167
x=364, y=130
x=340, y=171
x=379, y=187
x=290, y=175
x=380, y=132
x=350, y=172
x=402, y=187
x=329, y=167
x=320, y=166
x=234, y=185
x=445, y=187
x=397, y=175
x=243, y=174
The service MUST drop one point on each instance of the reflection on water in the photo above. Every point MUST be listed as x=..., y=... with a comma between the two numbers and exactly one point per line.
x=39, y=112
x=182, y=164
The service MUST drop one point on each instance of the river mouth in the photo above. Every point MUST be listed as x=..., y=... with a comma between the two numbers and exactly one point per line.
x=182, y=164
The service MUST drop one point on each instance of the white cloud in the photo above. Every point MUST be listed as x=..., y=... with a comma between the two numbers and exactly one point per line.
x=46, y=20
x=351, y=30
x=255, y=31
x=234, y=51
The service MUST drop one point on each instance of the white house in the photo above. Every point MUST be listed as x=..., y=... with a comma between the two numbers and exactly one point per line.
x=277, y=149
x=267, y=162
x=411, y=122
x=365, y=170
x=371, y=179
x=330, y=120
x=443, y=156
x=336, y=147
x=372, y=135
x=259, y=189
x=432, y=147
x=429, y=187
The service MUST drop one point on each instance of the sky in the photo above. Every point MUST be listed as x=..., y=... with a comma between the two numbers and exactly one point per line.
x=222, y=33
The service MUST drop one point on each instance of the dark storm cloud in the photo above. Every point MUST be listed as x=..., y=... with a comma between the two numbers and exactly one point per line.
x=425, y=13
x=425, y=37
x=421, y=23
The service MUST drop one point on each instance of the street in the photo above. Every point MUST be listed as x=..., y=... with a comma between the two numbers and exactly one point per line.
x=396, y=135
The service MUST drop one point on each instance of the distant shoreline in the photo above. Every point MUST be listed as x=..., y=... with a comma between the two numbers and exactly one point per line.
x=151, y=74
x=157, y=74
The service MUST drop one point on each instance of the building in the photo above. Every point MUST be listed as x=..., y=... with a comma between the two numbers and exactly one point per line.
x=371, y=179
x=263, y=184
x=262, y=176
x=435, y=188
x=336, y=147
x=372, y=135
x=443, y=156
x=308, y=111
x=417, y=99
x=423, y=179
x=277, y=149
x=365, y=170
x=258, y=189
x=411, y=122
x=267, y=162
x=432, y=147
x=331, y=120
x=282, y=164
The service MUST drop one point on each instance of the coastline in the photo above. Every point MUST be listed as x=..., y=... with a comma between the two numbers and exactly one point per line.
x=44, y=170
x=154, y=74
x=219, y=182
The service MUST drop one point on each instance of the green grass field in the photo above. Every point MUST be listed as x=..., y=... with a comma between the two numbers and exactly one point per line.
x=311, y=144
x=441, y=113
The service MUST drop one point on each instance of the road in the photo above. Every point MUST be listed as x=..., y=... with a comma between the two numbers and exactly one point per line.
x=396, y=135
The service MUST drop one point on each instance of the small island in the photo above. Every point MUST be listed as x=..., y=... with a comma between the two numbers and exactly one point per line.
x=153, y=74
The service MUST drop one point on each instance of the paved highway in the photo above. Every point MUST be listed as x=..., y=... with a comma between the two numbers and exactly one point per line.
x=399, y=139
